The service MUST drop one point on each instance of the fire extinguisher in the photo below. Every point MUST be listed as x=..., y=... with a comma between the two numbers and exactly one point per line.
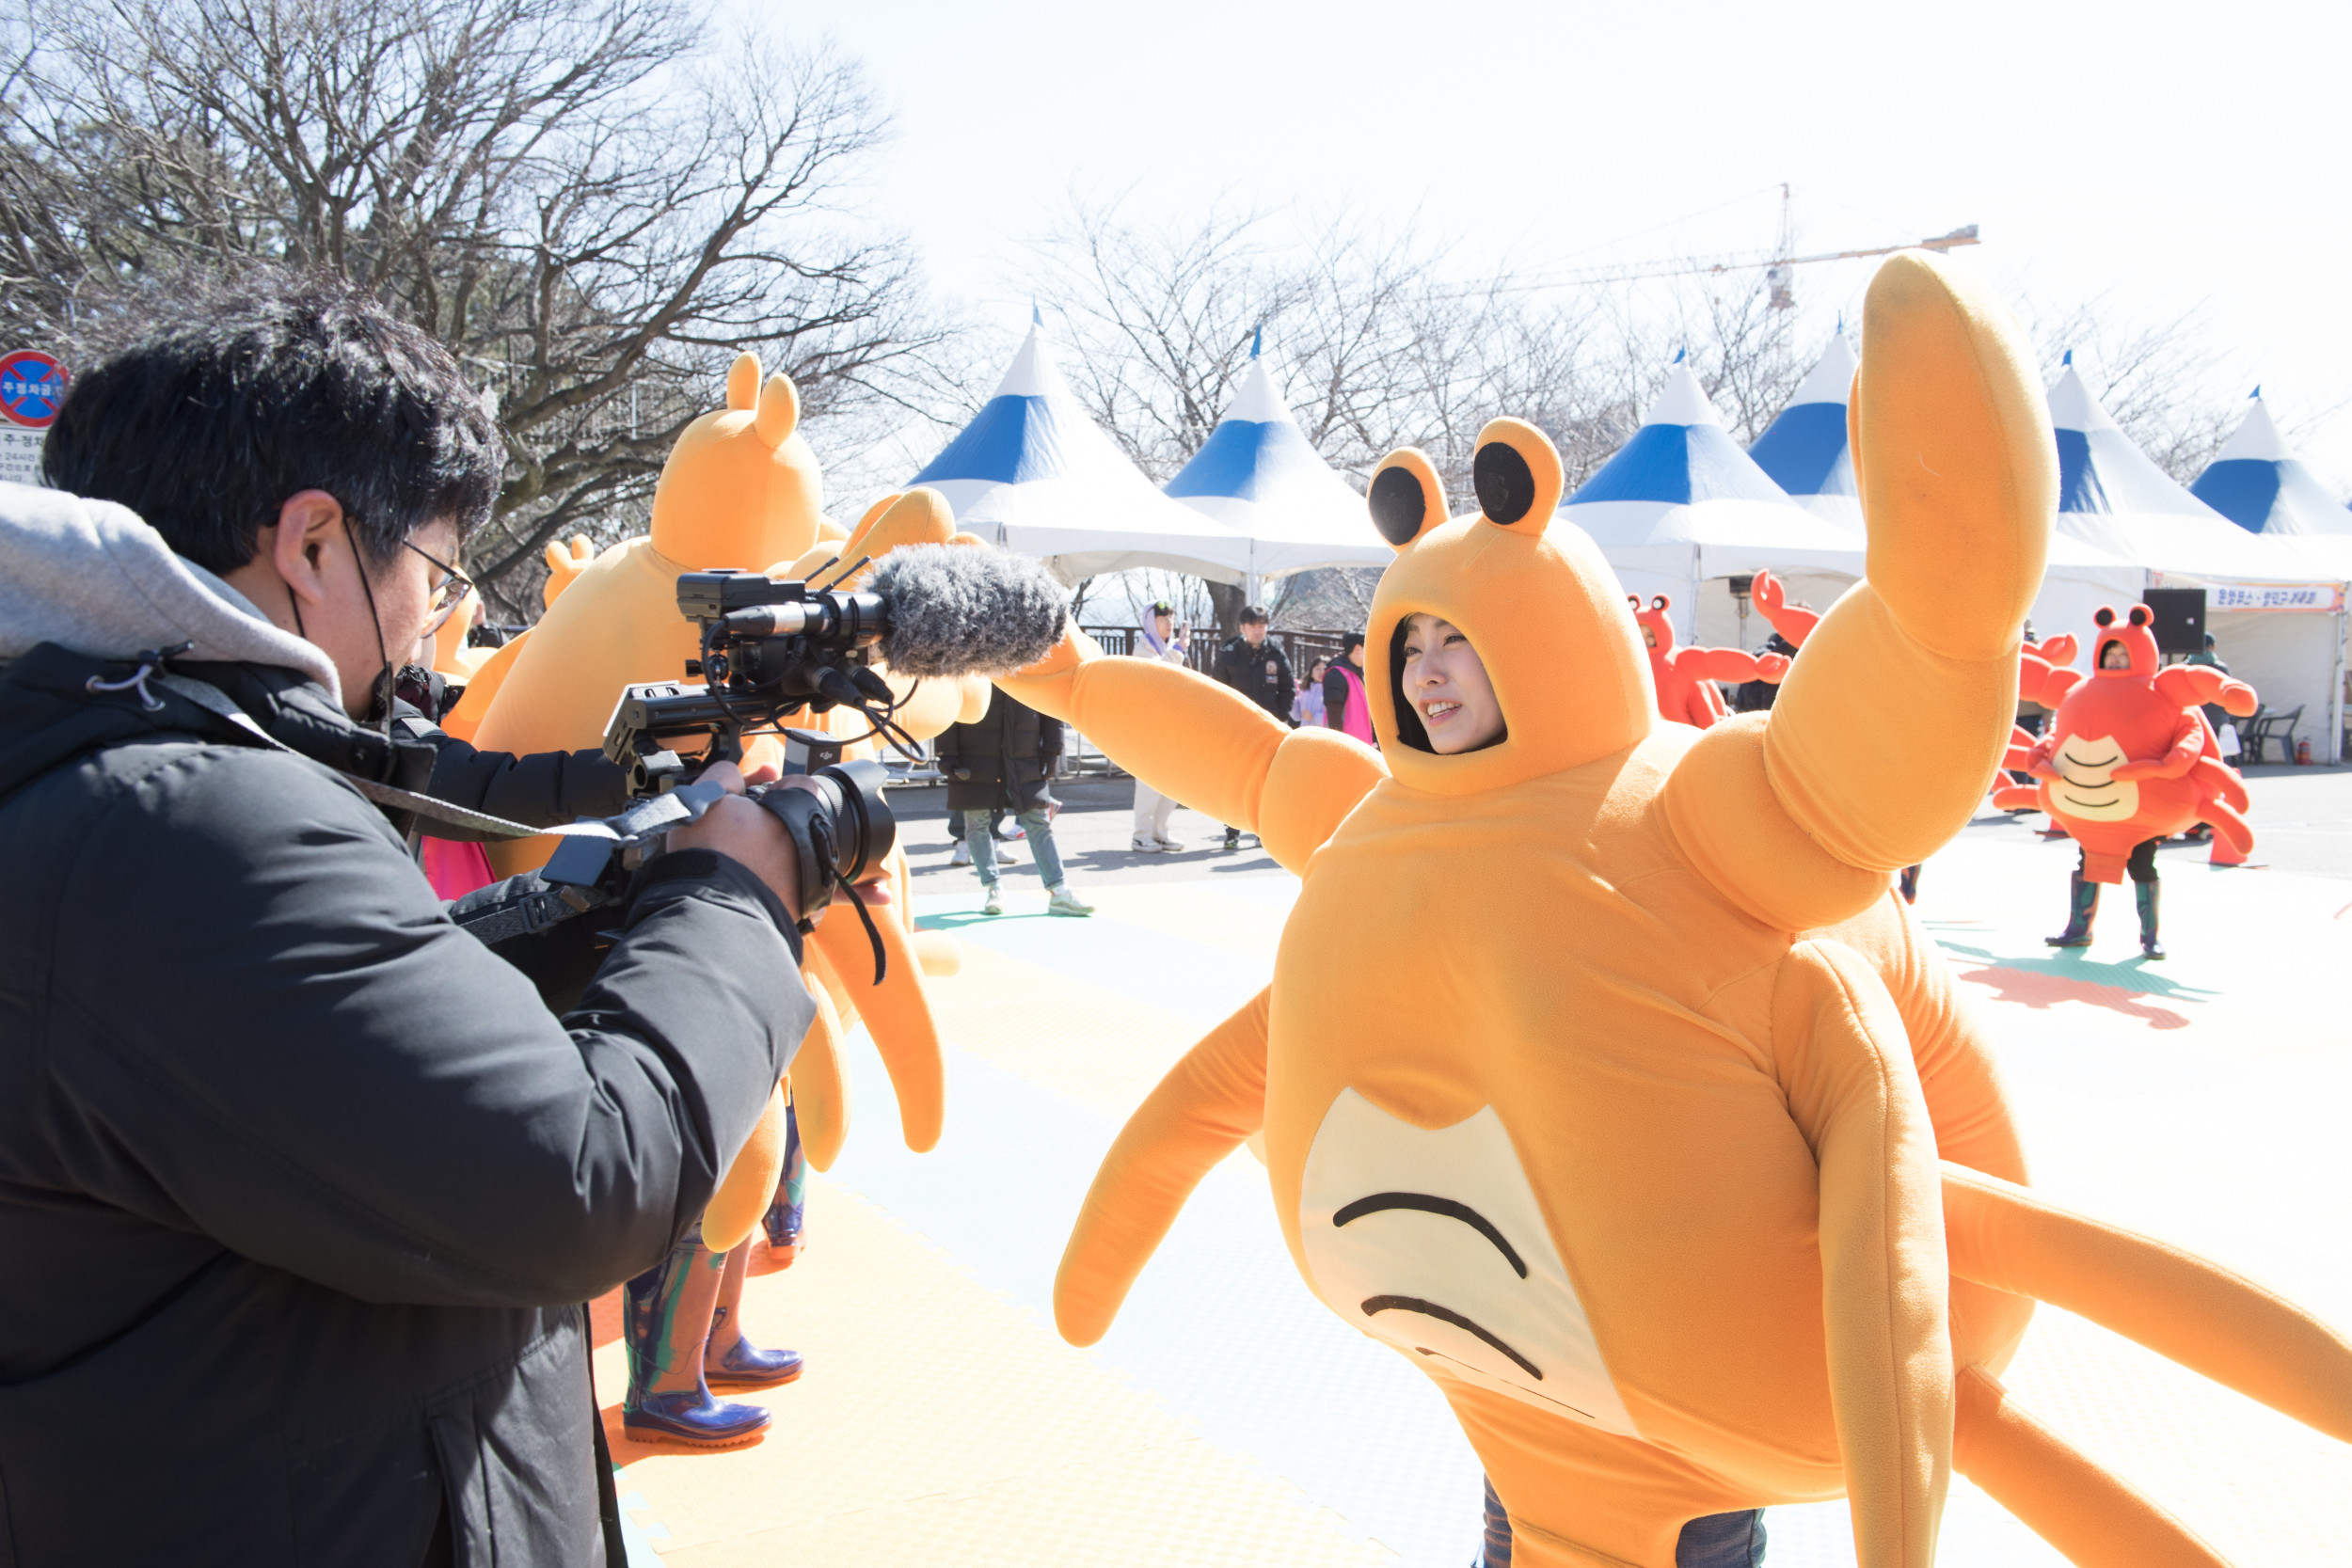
x=2303, y=754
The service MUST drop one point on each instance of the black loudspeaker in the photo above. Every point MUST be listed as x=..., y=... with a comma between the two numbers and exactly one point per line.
x=2180, y=623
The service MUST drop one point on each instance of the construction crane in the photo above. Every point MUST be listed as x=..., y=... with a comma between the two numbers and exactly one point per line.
x=1779, y=267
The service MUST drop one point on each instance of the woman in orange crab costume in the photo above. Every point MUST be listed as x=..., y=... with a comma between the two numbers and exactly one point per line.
x=740, y=489
x=1643, y=1118
x=2126, y=761
x=1686, y=677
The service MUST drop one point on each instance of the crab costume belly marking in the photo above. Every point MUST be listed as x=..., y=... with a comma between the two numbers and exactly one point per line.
x=1433, y=1242
x=2086, y=786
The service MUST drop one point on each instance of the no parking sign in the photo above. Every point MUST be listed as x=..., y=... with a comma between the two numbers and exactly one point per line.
x=32, y=385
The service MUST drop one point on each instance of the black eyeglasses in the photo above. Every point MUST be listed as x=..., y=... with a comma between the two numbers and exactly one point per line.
x=448, y=594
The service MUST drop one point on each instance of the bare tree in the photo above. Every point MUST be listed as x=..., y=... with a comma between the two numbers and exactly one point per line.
x=591, y=204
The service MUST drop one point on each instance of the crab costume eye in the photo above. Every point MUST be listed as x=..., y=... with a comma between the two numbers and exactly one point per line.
x=1406, y=498
x=1518, y=476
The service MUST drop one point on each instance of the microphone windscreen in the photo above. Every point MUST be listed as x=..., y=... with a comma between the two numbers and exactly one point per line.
x=958, y=611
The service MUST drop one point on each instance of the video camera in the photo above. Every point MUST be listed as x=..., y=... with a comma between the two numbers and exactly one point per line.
x=772, y=649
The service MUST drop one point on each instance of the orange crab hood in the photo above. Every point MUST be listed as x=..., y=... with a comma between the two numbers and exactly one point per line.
x=1550, y=623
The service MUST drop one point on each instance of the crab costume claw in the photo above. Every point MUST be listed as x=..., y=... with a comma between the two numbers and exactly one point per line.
x=1204, y=1109
x=1204, y=744
x=1958, y=472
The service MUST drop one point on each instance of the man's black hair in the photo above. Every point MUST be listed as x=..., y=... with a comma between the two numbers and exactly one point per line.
x=279, y=382
x=1353, y=640
x=1253, y=615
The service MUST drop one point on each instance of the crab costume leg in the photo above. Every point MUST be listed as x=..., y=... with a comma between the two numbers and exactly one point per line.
x=1854, y=1093
x=1203, y=1110
x=2088, y=1513
x=897, y=1015
x=1888, y=732
x=2185, y=1308
x=820, y=1096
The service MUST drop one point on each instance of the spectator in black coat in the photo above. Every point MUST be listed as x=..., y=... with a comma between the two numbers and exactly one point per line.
x=1005, y=760
x=301, y=1187
x=1259, y=671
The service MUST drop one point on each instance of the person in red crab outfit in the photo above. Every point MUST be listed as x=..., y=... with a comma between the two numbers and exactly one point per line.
x=2126, y=761
x=1686, y=677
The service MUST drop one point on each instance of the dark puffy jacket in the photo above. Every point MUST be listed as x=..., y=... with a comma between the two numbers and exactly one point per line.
x=300, y=1186
x=1002, y=759
x=1261, y=673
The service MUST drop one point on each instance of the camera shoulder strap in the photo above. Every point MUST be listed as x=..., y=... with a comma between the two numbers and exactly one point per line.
x=215, y=702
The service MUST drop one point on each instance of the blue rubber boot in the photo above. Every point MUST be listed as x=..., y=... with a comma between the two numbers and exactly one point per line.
x=729, y=1360
x=782, y=1222
x=666, y=1326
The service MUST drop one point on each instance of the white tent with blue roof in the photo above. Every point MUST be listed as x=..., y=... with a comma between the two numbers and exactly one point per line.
x=1681, y=505
x=1033, y=473
x=1258, y=475
x=2277, y=617
x=1804, y=449
x=2260, y=484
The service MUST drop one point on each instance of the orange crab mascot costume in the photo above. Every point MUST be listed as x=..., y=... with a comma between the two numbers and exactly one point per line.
x=740, y=489
x=1635, y=1151
x=2127, y=760
x=1686, y=677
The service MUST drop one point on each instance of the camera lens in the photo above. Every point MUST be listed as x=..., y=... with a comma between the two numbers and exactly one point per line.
x=863, y=828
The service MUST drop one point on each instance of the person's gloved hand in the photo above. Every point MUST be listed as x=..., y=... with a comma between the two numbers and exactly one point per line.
x=738, y=829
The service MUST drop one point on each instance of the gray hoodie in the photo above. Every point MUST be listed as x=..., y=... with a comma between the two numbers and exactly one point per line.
x=89, y=576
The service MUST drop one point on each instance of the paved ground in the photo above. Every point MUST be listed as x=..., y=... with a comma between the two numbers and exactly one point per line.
x=1229, y=1419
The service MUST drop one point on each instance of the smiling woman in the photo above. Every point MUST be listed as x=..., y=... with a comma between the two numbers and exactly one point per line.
x=1444, y=681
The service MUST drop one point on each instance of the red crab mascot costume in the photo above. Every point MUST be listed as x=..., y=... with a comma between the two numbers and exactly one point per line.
x=2128, y=761
x=1686, y=677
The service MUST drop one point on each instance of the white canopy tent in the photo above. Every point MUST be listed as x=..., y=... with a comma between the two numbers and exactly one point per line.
x=1033, y=473
x=2276, y=618
x=2260, y=484
x=1681, y=505
x=1258, y=475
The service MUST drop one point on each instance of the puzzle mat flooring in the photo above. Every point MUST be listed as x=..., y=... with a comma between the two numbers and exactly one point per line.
x=1229, y=1419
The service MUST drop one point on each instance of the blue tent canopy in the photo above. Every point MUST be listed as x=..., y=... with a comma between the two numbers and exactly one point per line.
x=1804, y=449
x=2259, y=482
x=1680, y=456
x=1034, y=473
x=1259, y=475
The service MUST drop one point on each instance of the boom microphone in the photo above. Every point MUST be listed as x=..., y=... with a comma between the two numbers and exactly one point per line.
x=929, y=610
x=952, y=610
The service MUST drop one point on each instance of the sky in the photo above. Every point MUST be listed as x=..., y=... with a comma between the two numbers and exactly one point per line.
x=2164, y=155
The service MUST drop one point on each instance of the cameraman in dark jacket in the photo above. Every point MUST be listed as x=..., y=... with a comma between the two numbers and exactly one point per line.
x=300, y=1186
x=1003, y=761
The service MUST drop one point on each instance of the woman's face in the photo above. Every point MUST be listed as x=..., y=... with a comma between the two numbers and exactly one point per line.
x=1315, y=671
x=1446, y=682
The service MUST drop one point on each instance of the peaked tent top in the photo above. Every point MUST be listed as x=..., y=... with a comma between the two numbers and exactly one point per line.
x=2261, y=485
x=1034, y=473
x=2112, y=495
x=1805, y=450
x=1680, y=456
x=1258, y=474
